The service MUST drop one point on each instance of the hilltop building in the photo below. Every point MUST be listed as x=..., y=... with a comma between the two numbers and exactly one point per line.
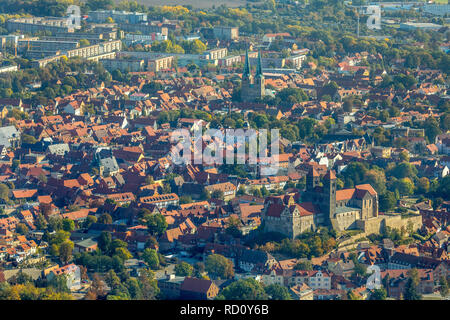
x=325, y=206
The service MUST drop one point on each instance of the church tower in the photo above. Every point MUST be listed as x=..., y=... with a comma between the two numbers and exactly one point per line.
x=329, y=193
x=312, y=179
x=259, y=77
x=252, y=88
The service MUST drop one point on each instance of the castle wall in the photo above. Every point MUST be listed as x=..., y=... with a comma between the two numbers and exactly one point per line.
x=376, y=224
x=346, y=220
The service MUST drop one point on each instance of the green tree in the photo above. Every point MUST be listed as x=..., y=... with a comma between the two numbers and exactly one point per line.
x=65, y=251
x=277, y=292
x=59, y=283
x=387, y=201
x=68, y=225
x=4, y=192
x=199, y=269
x=219, y=267
x=405, y=186
x=104, y=241
x=443, y=286
x=217, y=194
x=105, y=218
x=378, y=294
x=303, y=265
x=150, y=256
x=148, y=284
x=184, y=269
x=244, y=289
x=40, y=222
x=89, y=221
x=21, y=228
x=412, y=286
x=156, y=224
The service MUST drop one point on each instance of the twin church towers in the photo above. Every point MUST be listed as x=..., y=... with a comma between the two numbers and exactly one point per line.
x=253, y=87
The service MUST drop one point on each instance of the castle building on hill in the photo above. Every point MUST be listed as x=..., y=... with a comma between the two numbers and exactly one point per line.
x=324, y=206
x=252, y=88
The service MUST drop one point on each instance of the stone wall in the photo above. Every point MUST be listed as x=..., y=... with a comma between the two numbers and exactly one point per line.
x=376, y=224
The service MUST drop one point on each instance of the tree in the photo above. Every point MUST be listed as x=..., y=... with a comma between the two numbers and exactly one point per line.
x=233, y=225
x=65, y=251
x=423, y=185
x=405, y=186
x=378, y=294
x=303, y=265
x=68, y=225
x=219, y=267
x=412, y=286
x=377, y=179
x=404, y=170
x=387, y=201
x=217, y=194
x=148, y=284
x=59, y=283
x=40, y=222
x=4, y=192
x=55, y=223
x=199, y=269
x=89, y=221
x=277, y=292
x=156, y=224
x=123, y=253
x=244, y=289
x=150, y=256
x=97, y=288
x=84, y=43
x=105, y=218
x=185, y=199
x=359, y=269
x=184, y=269
x=197, y=47
x=443, y=286
x=104, y=241
x=21, y=228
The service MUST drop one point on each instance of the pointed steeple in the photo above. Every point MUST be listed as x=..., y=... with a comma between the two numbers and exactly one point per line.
x=246, y=72
x=259, y=66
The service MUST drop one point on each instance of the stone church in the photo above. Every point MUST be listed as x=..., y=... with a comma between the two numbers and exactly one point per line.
x=252, y=88
x=323, y=205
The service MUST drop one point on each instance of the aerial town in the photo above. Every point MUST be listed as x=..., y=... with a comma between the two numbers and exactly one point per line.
x=93, y=205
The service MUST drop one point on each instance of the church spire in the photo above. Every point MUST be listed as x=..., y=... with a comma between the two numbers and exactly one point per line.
x=246, y=72
x=259, y=66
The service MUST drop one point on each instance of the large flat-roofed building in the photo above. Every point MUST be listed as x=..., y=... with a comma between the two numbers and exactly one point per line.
x=226, y=33
x=143, y=39
x=104, y=50
x=215, y=54
x=144, y=28
x=35, y=24
x=131, y=65
x=437, y=9
x=160, y=63
x=155, y=61
x=10, y=40
x=117, y=16
x=47, y=45
x=420, y=26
